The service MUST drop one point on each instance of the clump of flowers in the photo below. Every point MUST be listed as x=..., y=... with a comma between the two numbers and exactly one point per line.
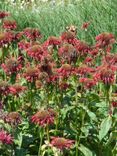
x=5, y=138
x=44, y=117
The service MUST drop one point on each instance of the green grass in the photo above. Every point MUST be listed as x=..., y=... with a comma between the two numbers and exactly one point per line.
x=52, y=21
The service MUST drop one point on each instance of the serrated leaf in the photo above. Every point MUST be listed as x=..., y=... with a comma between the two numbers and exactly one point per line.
x=85, y=150
x=104, y=128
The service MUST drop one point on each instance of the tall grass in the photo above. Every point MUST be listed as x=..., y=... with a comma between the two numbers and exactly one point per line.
x=52, y=20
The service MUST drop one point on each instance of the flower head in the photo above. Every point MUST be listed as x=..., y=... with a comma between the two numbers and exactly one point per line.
x=87, y=82
x=11, y=66
x=6, y=38
x=5, y=138
x=4, y=88
x=114, y=103
x=67, y=37
x=106, y=75
x=61, y=143
x=31, y=74
x=9, y=24
x=85, y=25
x=44, y=117
x=23, y=45
x=52, y=40
x=16, y=89
x=65, y=71
x=32, y=33
x=68, y=53
x=3, y=14
x=84, y=70
x=105, y=39
x=13, y=118
x=82, y=48
x=36, y=52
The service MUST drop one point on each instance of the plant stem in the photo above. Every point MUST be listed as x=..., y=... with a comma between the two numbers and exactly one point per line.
x=41, y=140
x=47, y=132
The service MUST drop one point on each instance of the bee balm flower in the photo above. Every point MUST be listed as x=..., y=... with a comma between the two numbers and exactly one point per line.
x=9, y=24
x=5, y=138
x=61, y=143
x=44, y=117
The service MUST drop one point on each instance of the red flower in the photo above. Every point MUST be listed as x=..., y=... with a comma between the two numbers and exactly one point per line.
x=64, y=85
x=105, y=74
x=9, y=24
x=13, y=118
x=16, y=89
x=23, y=45
x=65, y=71
x=4, y=88
x=53, y=41
x=5, y=138
x=3, y=14
x=18, y=35
x=11, y=66
x=68, y=53
x=68, y=37
x=85, y=25
x=84, y=70
x=62, y=143
x=32, y=33
x=87, y=82
x=94, y=52
x=104, y=40
x=36, y=52
x=44, y=117
x=6, y=38
x=89, y=61
x=82, y=48
x=114, y=104
x=31, y=74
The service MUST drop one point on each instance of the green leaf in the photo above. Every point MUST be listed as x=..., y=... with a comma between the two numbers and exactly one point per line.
x=104, y=128
x=85, y=150
x=92, y=115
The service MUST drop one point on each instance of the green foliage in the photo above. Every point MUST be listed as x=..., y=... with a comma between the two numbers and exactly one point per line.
x=52, y=20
